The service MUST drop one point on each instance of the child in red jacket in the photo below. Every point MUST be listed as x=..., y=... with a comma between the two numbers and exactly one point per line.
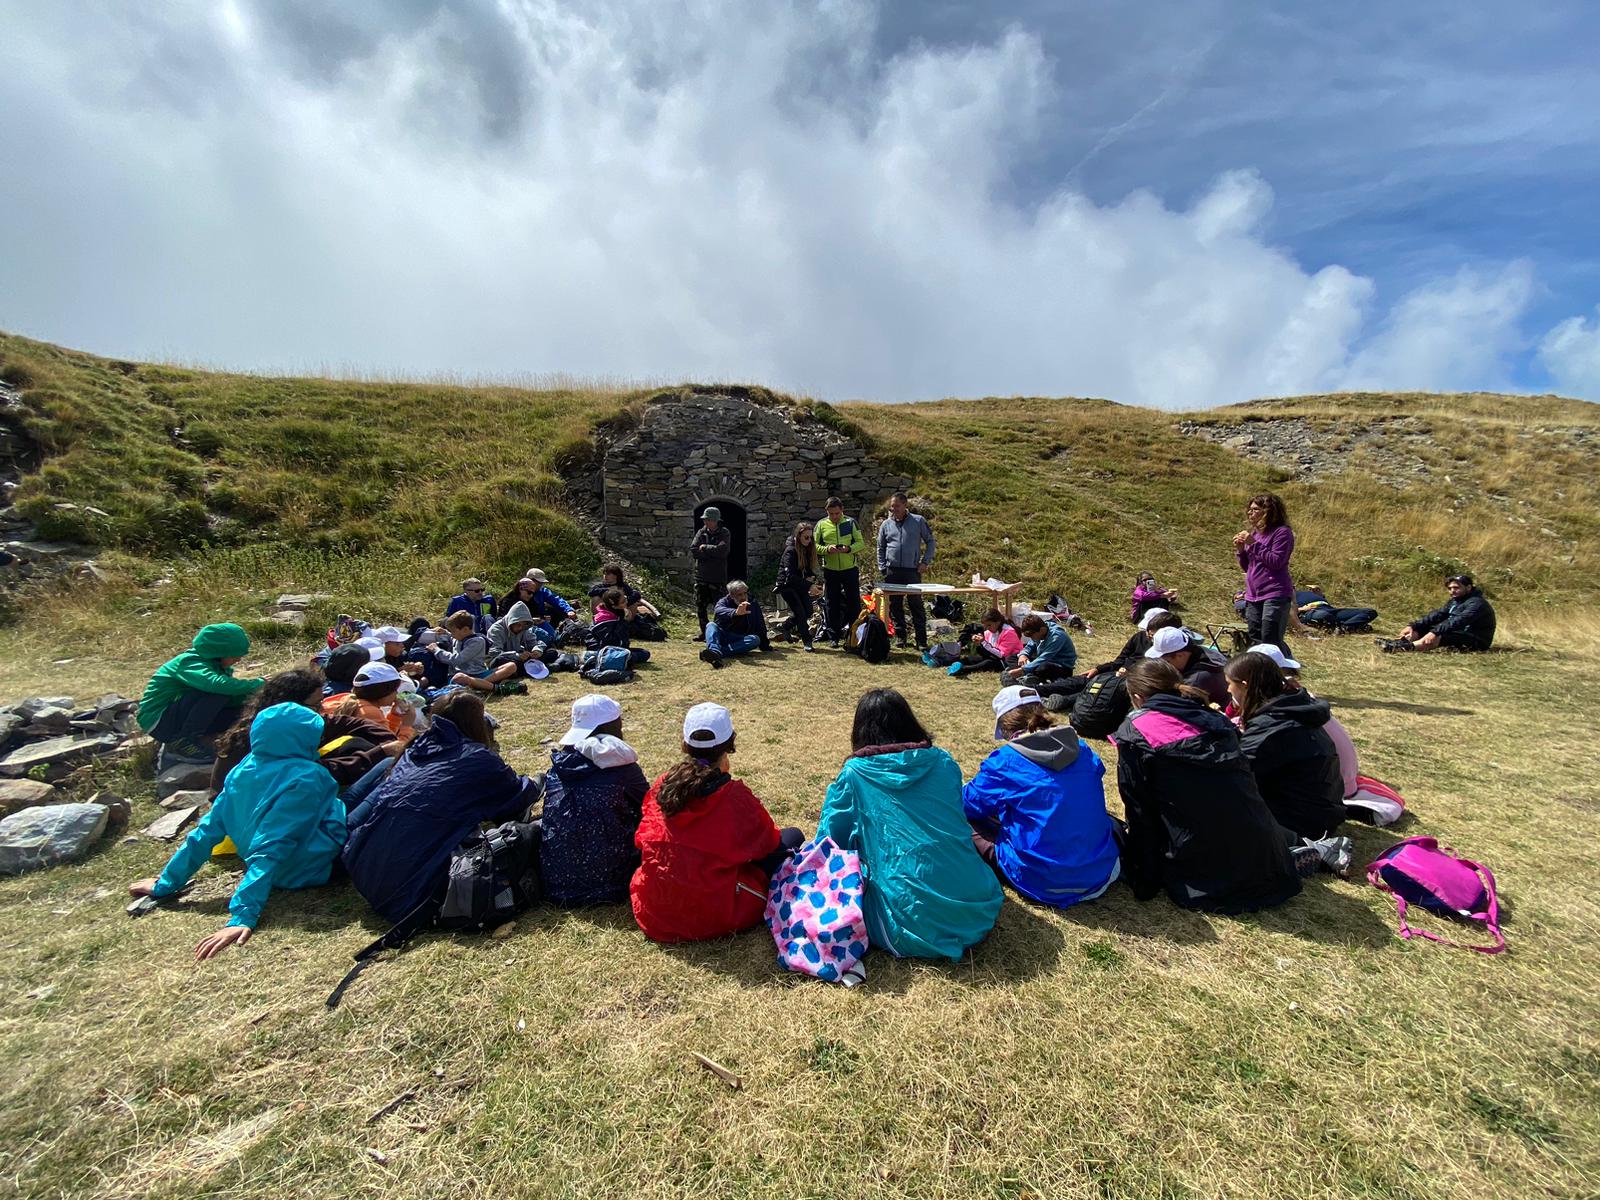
x=707, y=846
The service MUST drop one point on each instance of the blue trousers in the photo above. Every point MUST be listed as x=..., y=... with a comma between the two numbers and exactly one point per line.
x=727, y=646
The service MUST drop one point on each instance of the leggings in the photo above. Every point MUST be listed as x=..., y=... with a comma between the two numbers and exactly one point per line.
x=798, y=597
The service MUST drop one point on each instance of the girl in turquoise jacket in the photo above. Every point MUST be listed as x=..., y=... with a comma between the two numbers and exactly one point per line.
x=897, y=804
x=282, y=809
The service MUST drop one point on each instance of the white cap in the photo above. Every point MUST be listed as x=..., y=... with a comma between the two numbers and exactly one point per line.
x=1150, y=614
x=535, y=669
x=588, y=714
x=376, y=672
x=537, y=575
x=1285, y=663
x=707, y=726
x=1011, y=697
x=1168, y=641
x=373, y=646
x=388, y=633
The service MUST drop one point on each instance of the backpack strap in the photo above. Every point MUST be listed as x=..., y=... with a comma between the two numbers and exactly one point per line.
x=401, y=932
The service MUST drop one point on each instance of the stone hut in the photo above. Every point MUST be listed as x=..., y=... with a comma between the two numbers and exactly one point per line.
x=764, y=464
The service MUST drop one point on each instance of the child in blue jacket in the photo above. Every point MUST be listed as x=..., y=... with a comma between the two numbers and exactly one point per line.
x=282, y=809
x=1037, y=807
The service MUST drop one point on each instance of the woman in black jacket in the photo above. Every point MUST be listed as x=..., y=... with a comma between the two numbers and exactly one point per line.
x=1196, y=825
x=1295, y=762
x=797, y=578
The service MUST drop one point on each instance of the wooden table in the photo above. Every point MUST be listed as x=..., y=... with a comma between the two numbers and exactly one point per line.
x=1000, y=598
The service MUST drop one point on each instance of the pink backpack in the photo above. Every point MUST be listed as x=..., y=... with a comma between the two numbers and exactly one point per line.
x=815, y=915
x=1417, y=871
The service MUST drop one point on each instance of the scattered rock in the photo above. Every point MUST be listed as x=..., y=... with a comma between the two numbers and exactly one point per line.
x=50, y=722
x=10, y=722
x=56, y=752
x=297, y=602
x=27, y=708
x=164, y=829
x=45, y=836
x=181, y=777
x=17, y=794
x=119, y=810
x=288, y=616
x=186, y=799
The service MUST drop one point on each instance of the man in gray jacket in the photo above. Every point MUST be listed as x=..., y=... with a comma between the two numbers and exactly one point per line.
x=905, y=551
x=709, y=548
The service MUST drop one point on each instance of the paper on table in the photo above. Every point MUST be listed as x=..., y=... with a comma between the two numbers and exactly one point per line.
x=998, y=585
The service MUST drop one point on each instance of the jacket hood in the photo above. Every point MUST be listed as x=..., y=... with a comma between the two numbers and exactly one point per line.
x=286, y=731
x=442, y=739
x=896, y=767
x=1178, y=727
x=593, y=754
x=226, y=640
x=1053, y=749
x=517, y=612
x=1300, y=707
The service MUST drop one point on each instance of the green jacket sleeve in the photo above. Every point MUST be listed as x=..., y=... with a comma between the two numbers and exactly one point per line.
x=203, y=677
x=295, y=814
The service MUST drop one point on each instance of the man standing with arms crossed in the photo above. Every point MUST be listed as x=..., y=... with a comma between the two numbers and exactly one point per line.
x=839, y=540
x=709, y=548
x=905, y=552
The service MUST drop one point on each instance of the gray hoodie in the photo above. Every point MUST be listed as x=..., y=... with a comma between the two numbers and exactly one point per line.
x=503, y=641
x=1054, y=749
x=466, y=654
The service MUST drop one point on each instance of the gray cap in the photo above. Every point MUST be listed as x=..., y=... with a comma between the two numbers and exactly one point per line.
x=711, y=514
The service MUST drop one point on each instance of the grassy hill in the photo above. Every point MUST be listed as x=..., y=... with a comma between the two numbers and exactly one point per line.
x=1113, y=1050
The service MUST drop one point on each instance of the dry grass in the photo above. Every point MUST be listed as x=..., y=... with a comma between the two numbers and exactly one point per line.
x=1118, y=1049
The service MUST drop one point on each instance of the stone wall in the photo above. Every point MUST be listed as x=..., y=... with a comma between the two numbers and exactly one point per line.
x=709, y=446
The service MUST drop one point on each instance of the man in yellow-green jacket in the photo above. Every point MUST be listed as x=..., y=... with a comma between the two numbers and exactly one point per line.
x=840, y=542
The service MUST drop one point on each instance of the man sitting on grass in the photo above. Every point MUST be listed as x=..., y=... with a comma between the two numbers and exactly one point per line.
x=195, y=696
x=737, y=626
x=1466, y=623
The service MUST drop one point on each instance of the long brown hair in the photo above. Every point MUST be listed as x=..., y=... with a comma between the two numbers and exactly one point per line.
x=465, y=711
x=1157, y=677
x=1273, y=514
x=692, y=778
x=1262, y=680
x=1025, y=718
x=288, y=687
x=806, y=554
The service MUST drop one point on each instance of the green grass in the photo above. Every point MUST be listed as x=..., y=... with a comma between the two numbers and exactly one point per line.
x=1115, y=1050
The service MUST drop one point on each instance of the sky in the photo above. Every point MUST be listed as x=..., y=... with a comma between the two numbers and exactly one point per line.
x=1178, y=203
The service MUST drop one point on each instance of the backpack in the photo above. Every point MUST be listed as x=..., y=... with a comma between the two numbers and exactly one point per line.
x=944, y=654
x=814, y=910
x=1101, y=706
x=947, y=608
x=1417, y=871
x=869, y=637
x=609, y=664
x=493, y=876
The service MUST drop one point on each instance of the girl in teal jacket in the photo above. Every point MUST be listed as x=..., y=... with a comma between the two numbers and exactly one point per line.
x=282, y=809
x=897, y=804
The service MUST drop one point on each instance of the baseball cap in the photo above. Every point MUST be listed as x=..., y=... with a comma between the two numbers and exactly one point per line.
x=388, y=633
x=1168, y=641
x=538, y=576
x=707, y=726
x=588, y=714
x=1284, y=662
x=534, y=669
x=376, y=672
x=373, y=646
x=1150, y=614
x=1011, y=697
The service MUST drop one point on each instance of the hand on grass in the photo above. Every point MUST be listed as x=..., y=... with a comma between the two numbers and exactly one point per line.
x=227, y=936
x=142, y=887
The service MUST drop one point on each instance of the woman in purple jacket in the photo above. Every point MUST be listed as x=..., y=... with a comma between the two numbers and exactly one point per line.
x=1263, y=552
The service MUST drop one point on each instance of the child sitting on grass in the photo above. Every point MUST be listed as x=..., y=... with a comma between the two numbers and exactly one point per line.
x=464, y=652
x=281, y=809
x=374, y=697
x=195, y=696
x=611, y=626
x=708, y=847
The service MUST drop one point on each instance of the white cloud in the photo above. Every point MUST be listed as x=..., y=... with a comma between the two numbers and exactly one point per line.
x=647, y=190
x=1571, y=353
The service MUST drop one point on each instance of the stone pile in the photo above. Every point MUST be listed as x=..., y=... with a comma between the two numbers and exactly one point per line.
x=290, y=608
x=44, y=739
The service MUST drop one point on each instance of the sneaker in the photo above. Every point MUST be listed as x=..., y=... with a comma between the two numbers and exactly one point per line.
x=511, y=687
x=708, y=655
x=902, y=644
x=767, y=648
x=1335, y=852
x=1057, y=703
x=954, y=668
x=927, y=659
x=186, y=750
x=810, y=649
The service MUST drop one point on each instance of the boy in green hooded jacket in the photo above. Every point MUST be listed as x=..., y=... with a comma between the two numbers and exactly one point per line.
x=196, y=696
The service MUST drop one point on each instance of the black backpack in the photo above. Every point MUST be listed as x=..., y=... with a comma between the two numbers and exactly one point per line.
x=1101, y=706
x=869, y=637
x=493, y=876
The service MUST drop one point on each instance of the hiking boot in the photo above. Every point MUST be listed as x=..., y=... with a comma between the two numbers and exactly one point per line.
x=708, y=655
x=902, y=644
x=511, y=687
x=810, y=649
x=1057, y=703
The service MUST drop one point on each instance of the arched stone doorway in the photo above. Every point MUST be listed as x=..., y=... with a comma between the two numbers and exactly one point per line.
x=733, y=516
